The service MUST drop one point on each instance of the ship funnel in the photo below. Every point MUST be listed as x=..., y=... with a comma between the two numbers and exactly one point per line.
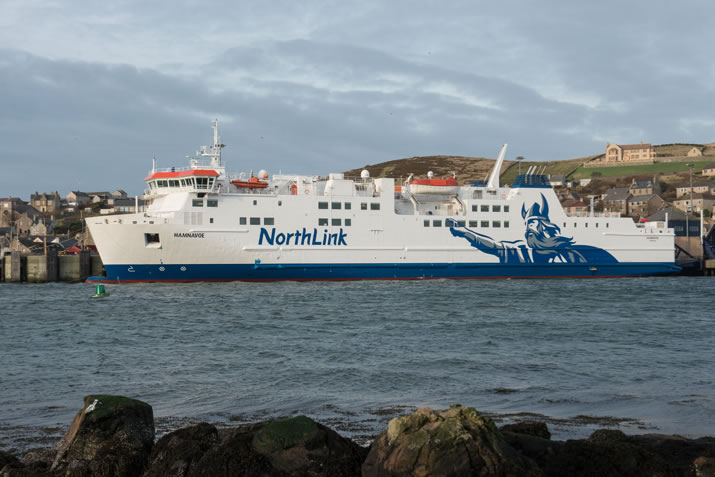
x=493, y=182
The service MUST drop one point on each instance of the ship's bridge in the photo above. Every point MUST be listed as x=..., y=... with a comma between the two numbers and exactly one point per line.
x=181, y=180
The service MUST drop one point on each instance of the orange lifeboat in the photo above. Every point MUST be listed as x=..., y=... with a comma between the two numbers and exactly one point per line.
x=251, y=183
x=434, y=186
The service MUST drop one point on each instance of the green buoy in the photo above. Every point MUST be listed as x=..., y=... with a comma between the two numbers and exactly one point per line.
x=99, y=291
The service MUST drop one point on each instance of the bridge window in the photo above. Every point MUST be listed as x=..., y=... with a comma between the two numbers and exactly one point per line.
x=174, y=183
x=162, y=184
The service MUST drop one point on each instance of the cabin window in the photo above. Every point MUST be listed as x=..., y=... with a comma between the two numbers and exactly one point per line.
x=606, y=224
x=211, y=220
x=211, y=182
x=255, y=202
x=322, y=205
x=574, y=225
x=211, y=203
x=348, y=205
x=506, y=224
x=477, y=194
x=335, y=222
x=323, y=222
x=280, y=202
x=475, y=208
x=596, y=224
x=496, y=224
x=374, y=206
x=348, y=222
x=436, y=223
x=484, y=223
x=363, y=206
x=161, y=184
x=506, y=208
x=255, y=221
x=586, y=225
x=183, y=182
x=268, y=221
x=335, y=205
x=496, y=208
x=197, y=202
x=461, y=223
x=485, y=208
x=242, y=221
x=474, y=223
x=426, y=223
x=174, y=183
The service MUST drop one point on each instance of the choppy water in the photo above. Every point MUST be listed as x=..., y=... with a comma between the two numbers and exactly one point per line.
x=638, y=354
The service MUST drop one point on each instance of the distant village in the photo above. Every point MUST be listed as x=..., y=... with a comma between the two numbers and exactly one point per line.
x=51, y=220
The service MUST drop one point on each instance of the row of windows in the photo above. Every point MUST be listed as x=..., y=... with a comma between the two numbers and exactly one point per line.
x=322, y=222
x=256, y=221
x=472, y=223
x=348, y=205
x=485, y=208
x=193, y=182
x=200, y=203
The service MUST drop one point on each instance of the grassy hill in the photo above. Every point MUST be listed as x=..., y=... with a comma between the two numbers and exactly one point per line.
x=478, y=168
x=467, y=168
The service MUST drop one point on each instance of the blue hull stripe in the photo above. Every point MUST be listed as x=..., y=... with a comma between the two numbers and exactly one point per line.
x=396, y=271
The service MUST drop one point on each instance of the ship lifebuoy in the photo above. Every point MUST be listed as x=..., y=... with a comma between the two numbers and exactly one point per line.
x=307, y=191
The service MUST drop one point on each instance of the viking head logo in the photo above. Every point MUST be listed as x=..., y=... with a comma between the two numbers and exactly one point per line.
x=541, y=233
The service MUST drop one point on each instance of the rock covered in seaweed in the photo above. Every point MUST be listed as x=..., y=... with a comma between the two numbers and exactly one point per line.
x=457, y=441
x=110, y=436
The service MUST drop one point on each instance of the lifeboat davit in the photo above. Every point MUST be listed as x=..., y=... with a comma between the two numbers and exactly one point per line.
x=251, y=183
x=448, y=186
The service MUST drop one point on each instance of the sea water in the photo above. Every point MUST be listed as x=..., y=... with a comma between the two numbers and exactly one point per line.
x=636, y=354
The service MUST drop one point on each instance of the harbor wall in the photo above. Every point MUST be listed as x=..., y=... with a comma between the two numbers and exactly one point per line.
x=18, y=268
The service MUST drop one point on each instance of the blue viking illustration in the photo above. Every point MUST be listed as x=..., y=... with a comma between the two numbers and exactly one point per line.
x=543, y=242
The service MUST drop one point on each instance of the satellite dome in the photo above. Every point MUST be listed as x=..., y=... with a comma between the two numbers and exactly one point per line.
x=365, y=174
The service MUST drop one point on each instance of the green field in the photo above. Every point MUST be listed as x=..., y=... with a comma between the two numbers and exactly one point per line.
x=658, y=167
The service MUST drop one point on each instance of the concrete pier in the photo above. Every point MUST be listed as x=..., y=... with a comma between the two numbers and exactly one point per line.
x=17, y=268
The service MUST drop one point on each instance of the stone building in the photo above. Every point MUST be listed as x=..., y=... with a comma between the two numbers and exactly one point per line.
x=695, y=152
x=645, y=205
x=698, y=188
x=49, y=204
x=626, y=153
x=709, y=170
x=700, y=202
x=642, y=187
x=616, y=200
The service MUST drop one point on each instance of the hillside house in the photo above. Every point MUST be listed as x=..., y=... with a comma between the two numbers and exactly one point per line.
x=642, y=187
x=700, y=203
x=575, y=208
x=698, y=188
x=626, y=153
x=709, y=170
x=50, y=204
x=119, y=194
x=645, y=205
x=615, y=199
x=7, y=208
x=21, y=217
x=695, y=152
x=77, y=198
x=676, y=219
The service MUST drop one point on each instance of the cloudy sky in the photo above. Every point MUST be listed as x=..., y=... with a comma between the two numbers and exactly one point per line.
x=90, y=91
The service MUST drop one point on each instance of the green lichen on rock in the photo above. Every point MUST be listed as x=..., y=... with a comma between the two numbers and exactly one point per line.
x=285, y=433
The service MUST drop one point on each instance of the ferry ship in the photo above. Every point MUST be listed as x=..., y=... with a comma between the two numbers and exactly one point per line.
x=205, y=225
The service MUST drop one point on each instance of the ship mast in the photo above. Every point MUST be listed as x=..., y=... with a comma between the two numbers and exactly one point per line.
x=213, y=152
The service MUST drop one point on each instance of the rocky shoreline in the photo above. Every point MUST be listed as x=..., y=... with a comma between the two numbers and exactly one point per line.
x=115, y=436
